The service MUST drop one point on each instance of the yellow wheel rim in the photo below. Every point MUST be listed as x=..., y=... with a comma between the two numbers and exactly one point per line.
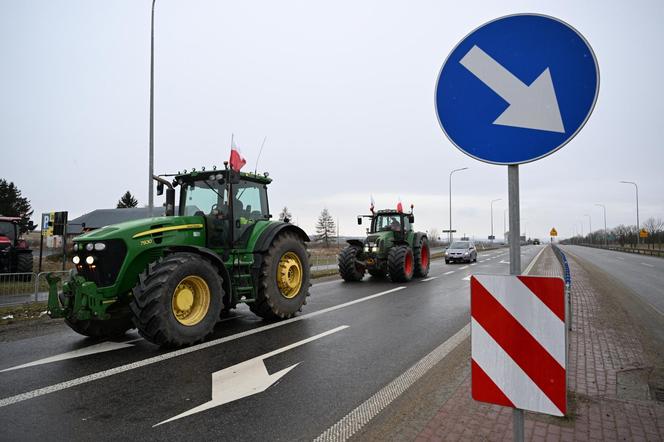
x=191, y=300
x=289, y=275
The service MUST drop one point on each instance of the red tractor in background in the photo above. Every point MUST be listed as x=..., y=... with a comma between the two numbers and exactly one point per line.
x=15, y=256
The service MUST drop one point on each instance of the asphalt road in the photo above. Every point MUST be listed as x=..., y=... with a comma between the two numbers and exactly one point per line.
x=644, y=275
x=360, y=337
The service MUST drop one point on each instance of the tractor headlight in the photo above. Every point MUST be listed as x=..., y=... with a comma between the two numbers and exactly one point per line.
x=89, y=246
x=374, y=249
x=75, y=247
x=90, y=260
x=100, y=246
x=366, y=248
x=76, y=259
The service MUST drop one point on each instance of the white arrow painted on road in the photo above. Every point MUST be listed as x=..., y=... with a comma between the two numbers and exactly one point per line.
x=246, y=378
x=531, y=107
x=90, y=350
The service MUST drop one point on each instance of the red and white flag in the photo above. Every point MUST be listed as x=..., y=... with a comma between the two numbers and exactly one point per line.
x=518, y=342
x=399, y=207
x=236, y=161
x=373, y=204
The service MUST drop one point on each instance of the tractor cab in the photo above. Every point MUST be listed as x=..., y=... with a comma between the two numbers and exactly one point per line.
x=15, y=256
x=232, y=204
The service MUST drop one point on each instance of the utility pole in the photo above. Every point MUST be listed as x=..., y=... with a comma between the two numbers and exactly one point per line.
x=151, y=160
x=638, y=225
x=606, y=240
x=450, y=188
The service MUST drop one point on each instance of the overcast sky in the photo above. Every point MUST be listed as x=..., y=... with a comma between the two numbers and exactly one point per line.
x=343, y=91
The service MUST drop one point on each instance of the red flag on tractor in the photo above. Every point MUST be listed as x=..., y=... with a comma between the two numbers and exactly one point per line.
x=236, y=161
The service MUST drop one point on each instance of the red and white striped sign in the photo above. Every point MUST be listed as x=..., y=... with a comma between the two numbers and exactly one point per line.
x=518, y=342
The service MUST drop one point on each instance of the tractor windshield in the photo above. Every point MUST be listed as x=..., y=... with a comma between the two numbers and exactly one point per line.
x=205, y=198
x=383, y=223
x=8, y=229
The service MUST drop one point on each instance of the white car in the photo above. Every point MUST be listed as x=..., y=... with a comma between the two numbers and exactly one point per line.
x=461, y=251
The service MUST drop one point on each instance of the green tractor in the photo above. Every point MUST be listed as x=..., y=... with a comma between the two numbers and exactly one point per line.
x=391, y=249
x=173, y=277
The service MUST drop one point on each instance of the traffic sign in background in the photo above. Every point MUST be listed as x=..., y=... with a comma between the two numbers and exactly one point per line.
x=517, y=89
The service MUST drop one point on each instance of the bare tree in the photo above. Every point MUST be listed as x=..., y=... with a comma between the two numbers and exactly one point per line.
x=285, y=215
x=325, y=228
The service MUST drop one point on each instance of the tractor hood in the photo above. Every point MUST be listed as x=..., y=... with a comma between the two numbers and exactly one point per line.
x=146, y=227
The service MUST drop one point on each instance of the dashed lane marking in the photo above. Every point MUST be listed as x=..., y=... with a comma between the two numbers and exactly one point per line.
x=463, y=268
x=467, y=278
x=183, y=351
x=357, y=418
x=430, y=278
x=448, y=273
x=647, y=265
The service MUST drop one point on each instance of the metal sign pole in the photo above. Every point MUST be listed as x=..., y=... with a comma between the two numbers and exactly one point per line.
x=515, y=263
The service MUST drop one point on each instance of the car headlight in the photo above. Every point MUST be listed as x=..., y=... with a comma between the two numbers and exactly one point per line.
x=90, y=260
x=100, y=246
x=466, y=253
x=89, y=246
x=76, y=259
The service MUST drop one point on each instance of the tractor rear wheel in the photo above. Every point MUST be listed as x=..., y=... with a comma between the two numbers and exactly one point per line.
x=349, y=269
x=178, y=300
x=24, y=263
x=422, y=257
x=400, y=264
x=284, y=284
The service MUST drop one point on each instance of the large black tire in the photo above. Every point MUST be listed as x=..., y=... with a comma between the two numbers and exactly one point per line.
x=24, y=262
x=422, y=256
x=400, y=264
x=349, y=270
x=155, y=302
x=275, y=301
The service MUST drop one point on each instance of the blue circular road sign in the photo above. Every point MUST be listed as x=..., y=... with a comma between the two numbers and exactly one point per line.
x=517, y=89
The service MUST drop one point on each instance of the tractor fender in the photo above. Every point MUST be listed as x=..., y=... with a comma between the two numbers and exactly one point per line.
x=265, y=240
x=401, y=242
x=355, y=242
x=211, y=256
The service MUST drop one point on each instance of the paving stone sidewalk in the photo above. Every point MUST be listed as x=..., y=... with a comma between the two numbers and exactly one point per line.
x=608, y=399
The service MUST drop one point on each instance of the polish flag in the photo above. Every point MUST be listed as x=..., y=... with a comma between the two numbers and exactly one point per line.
x=399, y=207
x=236, y=161
x=373, y=204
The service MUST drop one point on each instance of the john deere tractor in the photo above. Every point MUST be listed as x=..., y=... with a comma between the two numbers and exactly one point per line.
x=391, y=249
x=173, y=277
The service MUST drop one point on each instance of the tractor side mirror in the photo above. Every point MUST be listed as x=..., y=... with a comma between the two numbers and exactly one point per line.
x=359, y=220
x=170, y=201
x=411, y=218
x=160, y=189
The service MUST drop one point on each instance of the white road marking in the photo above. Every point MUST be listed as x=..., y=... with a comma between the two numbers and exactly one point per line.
x=532, y=263
x=86, y=351
x=502, y=261
x=430, y=278
x=474, y=264
x=467, y=278
x=463, y=268
x=183, y=351
x=246, y=378
x=647, y=265
x=448, y=273
x=357, y=418
x=620, y=257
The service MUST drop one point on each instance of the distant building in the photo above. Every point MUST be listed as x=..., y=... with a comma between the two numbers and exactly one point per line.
x=104, y=217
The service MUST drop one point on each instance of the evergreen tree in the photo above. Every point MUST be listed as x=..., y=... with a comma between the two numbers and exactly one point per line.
x=127, y=201
x=325, y=228
x=13, y=204
x=285, y=214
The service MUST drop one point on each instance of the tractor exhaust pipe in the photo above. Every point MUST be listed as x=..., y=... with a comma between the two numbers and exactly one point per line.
x=170, y=194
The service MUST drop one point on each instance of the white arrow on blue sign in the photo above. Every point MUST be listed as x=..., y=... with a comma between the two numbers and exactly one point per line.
x=517, y=89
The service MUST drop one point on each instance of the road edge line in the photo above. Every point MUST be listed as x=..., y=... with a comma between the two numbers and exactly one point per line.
x=532, y=263
x=352, y=422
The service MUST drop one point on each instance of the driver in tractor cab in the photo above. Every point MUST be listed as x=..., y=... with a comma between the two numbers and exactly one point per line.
x=395, y=225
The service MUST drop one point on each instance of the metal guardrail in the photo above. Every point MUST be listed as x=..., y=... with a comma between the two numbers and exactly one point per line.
x=567, y=276
x=650, y=252
x=19, y=288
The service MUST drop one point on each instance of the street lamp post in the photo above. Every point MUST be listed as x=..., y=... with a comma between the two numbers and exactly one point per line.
x=606, y=239
x=455, y=170
x=504, y=225
x=151, y=160
x=638, y=225
x=590, y=228
x=493, y=201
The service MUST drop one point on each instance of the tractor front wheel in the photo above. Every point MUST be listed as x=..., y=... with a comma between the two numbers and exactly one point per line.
x=400, y=264
x=422, y=258
x=284, y=284
x=114, y=327
x=349, y=269
x=178, y=300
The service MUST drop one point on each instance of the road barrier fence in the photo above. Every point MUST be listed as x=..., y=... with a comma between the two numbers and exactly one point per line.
x=639, y=251
x=18, y=288
x=567, y=276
